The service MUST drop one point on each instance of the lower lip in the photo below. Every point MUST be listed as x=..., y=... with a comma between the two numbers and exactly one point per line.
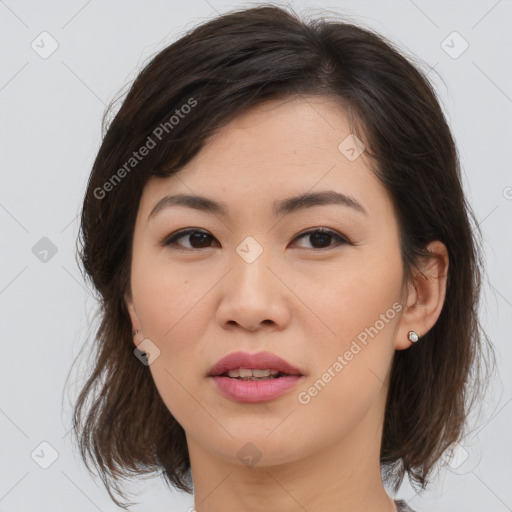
x=254, y=391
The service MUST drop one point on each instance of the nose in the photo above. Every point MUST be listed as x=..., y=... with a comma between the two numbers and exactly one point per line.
x=253, y=296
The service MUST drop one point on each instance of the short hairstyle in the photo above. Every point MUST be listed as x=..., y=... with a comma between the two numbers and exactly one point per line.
x=219, y=69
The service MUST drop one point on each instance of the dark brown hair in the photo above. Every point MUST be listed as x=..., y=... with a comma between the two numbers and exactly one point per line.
x=219, y=69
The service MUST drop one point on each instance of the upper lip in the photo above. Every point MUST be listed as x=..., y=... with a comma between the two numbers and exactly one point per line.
x=259, y=361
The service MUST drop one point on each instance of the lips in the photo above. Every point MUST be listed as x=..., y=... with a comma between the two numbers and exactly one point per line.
x=259, y=361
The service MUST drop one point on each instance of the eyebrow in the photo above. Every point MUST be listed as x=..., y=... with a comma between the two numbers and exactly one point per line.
x=281, y=207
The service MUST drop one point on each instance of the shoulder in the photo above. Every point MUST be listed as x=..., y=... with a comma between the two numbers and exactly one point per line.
x=402, y=506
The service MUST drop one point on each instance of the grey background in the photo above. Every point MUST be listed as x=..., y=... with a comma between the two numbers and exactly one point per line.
x=51, y=110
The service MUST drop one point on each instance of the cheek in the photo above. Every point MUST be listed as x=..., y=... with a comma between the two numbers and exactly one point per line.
x=357, y=298
x=167, y=295
x=353, y=361
x=171, y=314
x=360, y=310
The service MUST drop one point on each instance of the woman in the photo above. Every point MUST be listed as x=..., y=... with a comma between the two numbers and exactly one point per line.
x=288, y=274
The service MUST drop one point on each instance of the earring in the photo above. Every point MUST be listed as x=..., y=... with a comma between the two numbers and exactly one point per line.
x=134, y=333
x=413, y=336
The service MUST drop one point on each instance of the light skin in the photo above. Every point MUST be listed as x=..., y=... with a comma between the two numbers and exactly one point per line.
x=305, y=299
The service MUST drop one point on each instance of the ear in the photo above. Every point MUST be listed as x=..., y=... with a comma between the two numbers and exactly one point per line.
x=133, y=316
x=425, y=295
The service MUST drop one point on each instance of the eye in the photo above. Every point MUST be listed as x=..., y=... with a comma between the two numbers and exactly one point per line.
x=201, y=239
x=323, y=237
x=198, y=241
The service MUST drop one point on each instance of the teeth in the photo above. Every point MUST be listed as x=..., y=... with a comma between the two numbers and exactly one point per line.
x=247, y=372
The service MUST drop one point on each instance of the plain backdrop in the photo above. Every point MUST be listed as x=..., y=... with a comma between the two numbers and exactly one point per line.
x=62, y=62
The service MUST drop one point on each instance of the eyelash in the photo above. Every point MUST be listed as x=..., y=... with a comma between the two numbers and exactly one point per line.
x=171, y=240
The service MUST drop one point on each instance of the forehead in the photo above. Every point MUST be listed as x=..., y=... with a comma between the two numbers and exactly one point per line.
x=276, y=149
x=284, y=127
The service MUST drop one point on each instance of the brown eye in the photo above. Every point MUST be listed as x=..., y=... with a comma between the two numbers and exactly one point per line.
x=197, y=239
x=323, y=238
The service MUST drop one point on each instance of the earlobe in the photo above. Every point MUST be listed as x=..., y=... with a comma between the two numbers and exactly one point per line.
x=135, y=324
x=426, y=296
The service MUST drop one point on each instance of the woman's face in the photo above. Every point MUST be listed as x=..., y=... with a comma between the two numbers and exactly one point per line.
x=254, y=280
